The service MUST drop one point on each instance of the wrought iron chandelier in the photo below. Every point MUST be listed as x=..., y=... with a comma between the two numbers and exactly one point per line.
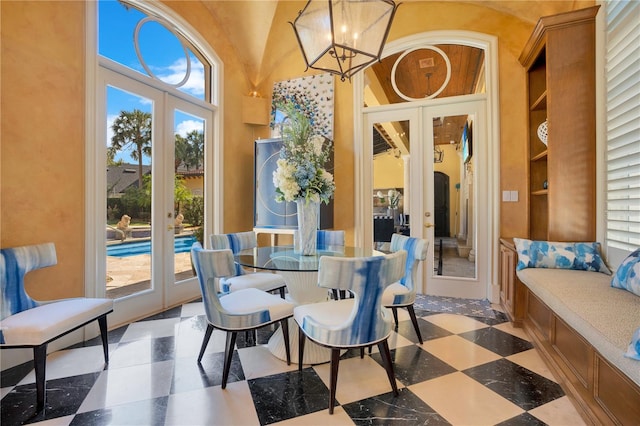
x=343, y=36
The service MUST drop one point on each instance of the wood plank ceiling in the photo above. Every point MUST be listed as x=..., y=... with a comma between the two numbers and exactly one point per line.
x=421, y=73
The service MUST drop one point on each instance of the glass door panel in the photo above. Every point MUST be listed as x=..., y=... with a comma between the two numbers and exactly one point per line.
x=391, y=189
x=188, y=190
x=453, y=218
x=128, y=193
x=455, y=200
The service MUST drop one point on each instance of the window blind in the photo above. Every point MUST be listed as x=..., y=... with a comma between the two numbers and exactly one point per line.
x=623, y=128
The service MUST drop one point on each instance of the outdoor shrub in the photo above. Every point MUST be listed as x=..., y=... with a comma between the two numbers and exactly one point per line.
x=194, y=211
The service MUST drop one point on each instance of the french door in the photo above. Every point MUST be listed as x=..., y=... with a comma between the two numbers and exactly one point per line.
x=153, y=149
x=443, y=178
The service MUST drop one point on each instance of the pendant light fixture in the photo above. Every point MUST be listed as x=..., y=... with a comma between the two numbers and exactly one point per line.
x=343, y=36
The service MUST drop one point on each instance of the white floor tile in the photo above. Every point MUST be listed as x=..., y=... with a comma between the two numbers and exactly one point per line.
x=192, y=309
x=257, y=361
x=559, y=412
x=458, y=352
x=455, y=323
x=213, y=406
x=338, y=418
x=150, y=329
x=463, y=401
x=357, y=379
x=122, y=385
x=71, y=362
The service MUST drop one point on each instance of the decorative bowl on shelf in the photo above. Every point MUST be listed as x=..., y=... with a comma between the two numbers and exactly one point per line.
x=542, y=132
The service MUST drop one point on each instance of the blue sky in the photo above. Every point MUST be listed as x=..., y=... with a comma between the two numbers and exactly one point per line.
x=163, y=55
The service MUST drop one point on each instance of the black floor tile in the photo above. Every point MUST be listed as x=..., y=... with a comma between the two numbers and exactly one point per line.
x=497, y=341
x=285, y=396
x=524, y=419
x=428, y=330
x=519, y=385
x=414, y=365
x=12, y=376
x=63, y=397
x=387, y=409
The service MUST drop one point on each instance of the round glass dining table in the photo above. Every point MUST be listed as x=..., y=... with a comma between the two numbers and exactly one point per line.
x=300, y=273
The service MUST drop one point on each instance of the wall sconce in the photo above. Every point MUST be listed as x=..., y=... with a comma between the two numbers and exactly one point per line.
x=255, y=109
x=343, y=36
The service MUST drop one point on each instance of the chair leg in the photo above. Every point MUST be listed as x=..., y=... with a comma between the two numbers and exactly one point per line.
x=395, y=315
x=333, y=381
x=414, y=320
x=102, y=322
x=40, y=365
x=285, y=334
x=301, y=340
x=386, y=358
x=228, y=354
x=205, y=341
x=362, y=352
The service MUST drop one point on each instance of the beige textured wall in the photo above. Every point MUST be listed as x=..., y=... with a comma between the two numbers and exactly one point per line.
x=42, y=137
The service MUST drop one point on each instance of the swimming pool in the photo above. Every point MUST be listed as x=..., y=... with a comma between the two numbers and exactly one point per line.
x=181, y=245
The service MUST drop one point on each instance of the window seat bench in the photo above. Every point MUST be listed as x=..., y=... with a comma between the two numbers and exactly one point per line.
x=582, y=326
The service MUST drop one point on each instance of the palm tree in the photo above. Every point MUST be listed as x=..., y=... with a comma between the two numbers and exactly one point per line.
x=132, y=130
x=195, y=150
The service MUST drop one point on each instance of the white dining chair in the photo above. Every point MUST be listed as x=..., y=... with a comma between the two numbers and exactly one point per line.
x=236, y=242
x=242, y=310
x=351, y=323
x=402, y=294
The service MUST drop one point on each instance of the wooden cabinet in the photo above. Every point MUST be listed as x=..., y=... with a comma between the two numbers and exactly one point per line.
x=511, y=292
x=559, y=58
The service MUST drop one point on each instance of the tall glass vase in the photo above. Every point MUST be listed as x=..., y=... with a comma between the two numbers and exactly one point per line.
x=308, y=212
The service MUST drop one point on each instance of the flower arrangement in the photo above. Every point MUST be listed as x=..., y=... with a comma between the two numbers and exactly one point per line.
x=394, y=198
x=300, y=172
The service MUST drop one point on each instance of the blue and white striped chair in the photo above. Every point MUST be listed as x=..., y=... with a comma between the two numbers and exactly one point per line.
x=327, y=240
x=402, y=294
x=236, y=242
x=241, y=310
x=27, y=323
x=351, y=323
x=324, y=239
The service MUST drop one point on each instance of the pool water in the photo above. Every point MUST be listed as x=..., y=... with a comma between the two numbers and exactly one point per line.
x=181, y=245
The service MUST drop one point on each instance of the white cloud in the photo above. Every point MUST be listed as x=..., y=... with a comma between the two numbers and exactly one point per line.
x=177, y=71
x=187, y=126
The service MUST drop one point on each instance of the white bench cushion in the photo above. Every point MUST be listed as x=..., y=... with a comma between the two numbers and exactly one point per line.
x=45, y=322
x=606, y=317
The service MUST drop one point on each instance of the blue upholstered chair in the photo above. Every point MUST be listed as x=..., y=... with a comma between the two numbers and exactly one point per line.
x=402, y=294
x=241, y=310
x=351, y=323
x=242, y=279
x=27, y=323
x=324, y=239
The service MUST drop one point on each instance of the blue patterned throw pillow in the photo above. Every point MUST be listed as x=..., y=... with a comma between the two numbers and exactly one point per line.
x=560, y=255
x=633, y=351
x=627, y=277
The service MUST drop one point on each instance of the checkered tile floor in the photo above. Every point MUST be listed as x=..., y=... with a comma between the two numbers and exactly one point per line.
x=469, y=371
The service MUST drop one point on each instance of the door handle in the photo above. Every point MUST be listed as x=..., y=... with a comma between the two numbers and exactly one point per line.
x=170, y=228
x=428, y=225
